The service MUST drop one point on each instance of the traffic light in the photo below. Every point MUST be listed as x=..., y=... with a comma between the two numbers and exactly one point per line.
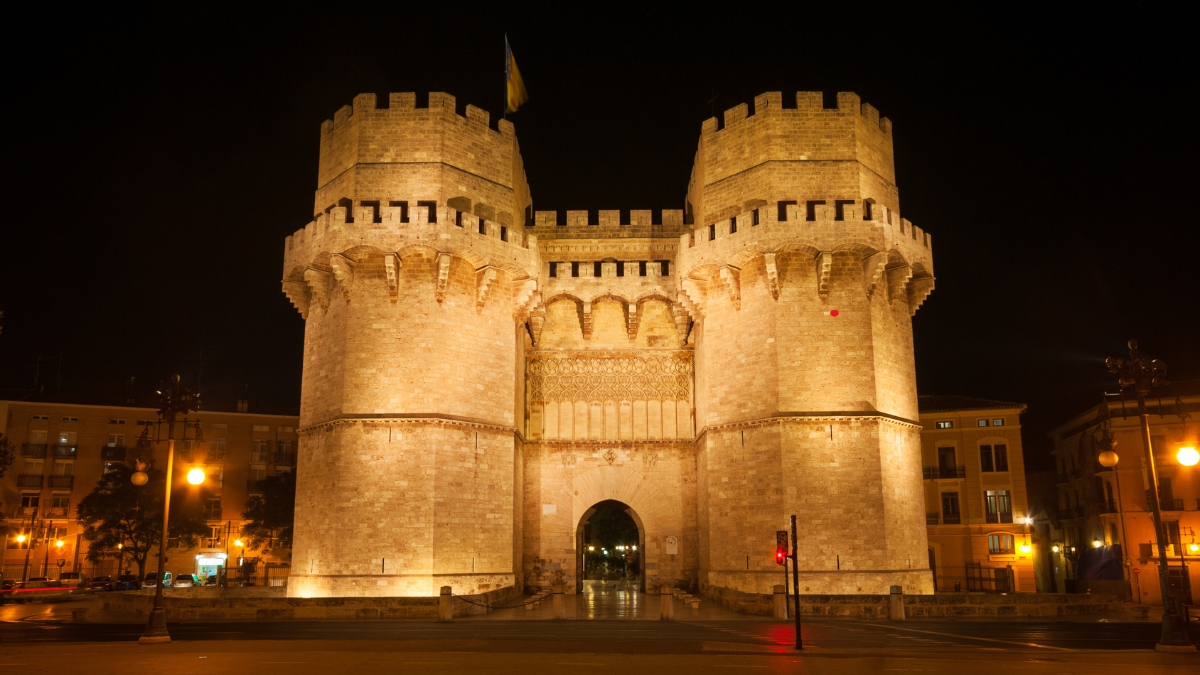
x=781, y=547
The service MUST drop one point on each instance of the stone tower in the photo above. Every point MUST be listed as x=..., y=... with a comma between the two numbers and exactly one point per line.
x=408, y=278
x=803, y=279
x=479, y=377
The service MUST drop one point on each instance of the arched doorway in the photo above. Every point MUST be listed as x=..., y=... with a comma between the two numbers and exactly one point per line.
x=610, y=542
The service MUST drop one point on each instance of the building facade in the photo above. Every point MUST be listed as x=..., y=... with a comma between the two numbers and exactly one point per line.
x=63, y=449
x=1105, y=509
x=478, y=375
x=976, y=504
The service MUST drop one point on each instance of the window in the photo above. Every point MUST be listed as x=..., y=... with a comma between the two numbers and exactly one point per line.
x=993, y=457
x=982, y=423
x=733, y=225
x=944, y=425
x=70, y=419
x=554, y=269
x=258, y=455
x=185, y=450
x=754, y=220
x=30, y=501
x=116, y=440
x=642, y=268
x=64, y=468
x=37, y=436
x=950, y=515
x=212, y=511
x=597, y=269
x=110, y=467
x=40, y=418
x=1001, y=544
x=283, y=453
x=216, y=476
x=574, y=269
x=999, y=506
x=116, y=421
x=712, y=232
x=60, y=505
x=258, y=473
x=1173, y=538
x=34, y=467
x=216, y=450
x=67, y=438
x=946, y=459
x=998, y=422
x=215, y=539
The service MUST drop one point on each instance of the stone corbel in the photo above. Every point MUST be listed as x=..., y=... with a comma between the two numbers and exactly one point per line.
x=692, y=297
x=537, y=319
x=391, y=269
x=824, y=261
x=525, y=292
x=682, y=322
x=897, y=280
x=631, y=320
x=343, y=272
x=873, y=269
x=585, y=319
x=299, y=295
x=732, y=278
x=485, y=279
x=919, y=288
x=318, y=285
x=443, y=275
x=772, y=274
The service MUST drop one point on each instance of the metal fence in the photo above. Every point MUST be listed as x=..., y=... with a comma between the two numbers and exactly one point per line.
x=974, y=578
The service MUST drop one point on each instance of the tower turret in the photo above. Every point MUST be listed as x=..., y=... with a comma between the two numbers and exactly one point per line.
x=802, y=279
x=412, y=278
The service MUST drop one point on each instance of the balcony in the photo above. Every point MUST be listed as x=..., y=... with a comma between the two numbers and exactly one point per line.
x=944, y=472
x=29, y=481
x=24, y=511
x=57, y=512
x=1172, y=505
x=931, y=519
x=1108, y=507
x=951, y=519
x=33, y=450
x=62, y=481
x=68, y=451
x=113, y=453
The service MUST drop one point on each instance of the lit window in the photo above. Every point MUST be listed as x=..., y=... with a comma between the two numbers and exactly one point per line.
x=993, y=457
x=1000, y=544
x=999, y=506
x=945, y=425
x=998, y=422
x=982, y=423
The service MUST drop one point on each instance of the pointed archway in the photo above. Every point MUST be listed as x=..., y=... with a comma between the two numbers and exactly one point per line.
x=581, y=544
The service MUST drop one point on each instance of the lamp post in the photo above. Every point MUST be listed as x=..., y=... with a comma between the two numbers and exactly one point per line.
x=1138, y=377
x=176, y=402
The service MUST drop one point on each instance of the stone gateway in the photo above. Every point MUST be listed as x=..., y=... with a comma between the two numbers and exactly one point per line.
x=478, y=376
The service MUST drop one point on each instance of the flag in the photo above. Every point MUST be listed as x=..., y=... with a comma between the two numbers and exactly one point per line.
x=516, y=88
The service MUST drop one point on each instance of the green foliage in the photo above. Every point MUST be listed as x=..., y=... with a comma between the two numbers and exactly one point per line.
x=8, y=453
x=272, y=515
x=117, y=512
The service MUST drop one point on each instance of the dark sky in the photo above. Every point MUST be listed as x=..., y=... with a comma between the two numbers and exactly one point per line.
x=155, y=163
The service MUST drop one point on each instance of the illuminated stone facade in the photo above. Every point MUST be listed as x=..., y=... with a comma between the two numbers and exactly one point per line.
x=478, y=375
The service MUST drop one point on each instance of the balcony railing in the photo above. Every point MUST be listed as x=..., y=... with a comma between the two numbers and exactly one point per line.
x=115, y=453
x=23, y=511
x=931, y=519
x=33, y=450
x=951, y=519
x=1108, y=507
x=66, y=451
x=29, y=480
x=56, y=512
x=62, y=481
x=1172, y=505
x=936, y=472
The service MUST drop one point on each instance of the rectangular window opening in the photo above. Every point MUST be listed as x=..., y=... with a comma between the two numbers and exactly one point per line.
x=403, y=210
x=347, y=204
x=432, y=207
x=665, y=268
x=620, y=268
x=593, y=217
x=839, y=208
x=985, y=459
x=810, y=206
x=982, y=423
x=482, y=226
x=642, y=268
x=574, y=269
x=733, y=225
x=553, y=273
x=867, y=204
x=944, y=425
x=754, y=218
x=503, y=233
x=597, y=269
x=376, y=216
x=458, y=219
x=782, y=215
x=712, y=232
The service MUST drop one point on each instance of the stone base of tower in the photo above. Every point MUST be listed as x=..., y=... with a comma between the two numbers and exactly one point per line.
x=822, y=582
x=393, y=585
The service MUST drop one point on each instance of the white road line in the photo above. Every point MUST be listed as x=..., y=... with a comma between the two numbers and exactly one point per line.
x=981, y=639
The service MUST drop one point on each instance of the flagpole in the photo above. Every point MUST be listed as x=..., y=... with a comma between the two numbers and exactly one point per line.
x=507, y=58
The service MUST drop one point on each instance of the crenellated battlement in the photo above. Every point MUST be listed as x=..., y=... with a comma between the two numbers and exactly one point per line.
x=809, y=107
x=586, y=224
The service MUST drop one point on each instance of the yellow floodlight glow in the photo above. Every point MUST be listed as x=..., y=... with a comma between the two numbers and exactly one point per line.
x=1188, y=456
x=1096, y=543
x=20, y=539
x=1055, y=548
x=1025, y=548
x=195, y=476
x=59, y=543
x=238, y=542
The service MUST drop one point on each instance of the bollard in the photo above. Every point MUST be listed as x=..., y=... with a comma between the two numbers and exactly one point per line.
x=896, y=604
x=446, y=605
x=667, y=603
x=560, y=610
x=780, y=602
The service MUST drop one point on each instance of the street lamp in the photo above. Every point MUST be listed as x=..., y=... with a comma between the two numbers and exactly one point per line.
x=175, y=402
x=1187, y=456
x=195, y=476
x=1138, y=377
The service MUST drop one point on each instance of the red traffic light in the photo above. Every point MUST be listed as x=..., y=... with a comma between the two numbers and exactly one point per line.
x=781, y=547
x=780, y=557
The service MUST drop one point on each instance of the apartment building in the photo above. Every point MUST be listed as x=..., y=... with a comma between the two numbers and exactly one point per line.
x=977, y=508
x=63, y=449
x=1104, y=540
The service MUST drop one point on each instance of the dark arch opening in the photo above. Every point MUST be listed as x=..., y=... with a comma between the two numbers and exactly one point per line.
x=609, y=545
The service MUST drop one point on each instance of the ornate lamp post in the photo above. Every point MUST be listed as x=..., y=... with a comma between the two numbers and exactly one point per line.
x=1138, y=376
x=173, y=403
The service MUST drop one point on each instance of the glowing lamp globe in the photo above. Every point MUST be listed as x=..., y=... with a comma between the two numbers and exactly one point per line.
x=20, y=539
x=1108, y=458
x=139, y=478
x=1188, y=456
x=1026, y=548
x=195, y=476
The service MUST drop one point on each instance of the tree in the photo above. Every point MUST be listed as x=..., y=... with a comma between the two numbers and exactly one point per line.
x=117, y=512
x=272, y=515
x=7, y=455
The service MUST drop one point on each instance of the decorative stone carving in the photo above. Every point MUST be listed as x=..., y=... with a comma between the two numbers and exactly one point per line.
x=567, y=376
x=897, y=279
x=732, y=278
x=343, y=272
x=391, y=269
x=485, y=277
x=318, y=285
x=824, y=270
x=299, y=294
x=772, y=274
x=873, y=269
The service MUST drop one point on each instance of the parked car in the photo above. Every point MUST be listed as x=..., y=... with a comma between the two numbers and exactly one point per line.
x=104, y=583
x=151, y=580
x=75, y=581
x=186, y=581
x=36, y=590
x=127, y=582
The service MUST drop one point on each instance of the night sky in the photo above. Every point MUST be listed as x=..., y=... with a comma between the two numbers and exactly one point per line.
x=155, y=163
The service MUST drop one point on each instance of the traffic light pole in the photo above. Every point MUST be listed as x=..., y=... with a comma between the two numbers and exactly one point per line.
x=796, y=583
